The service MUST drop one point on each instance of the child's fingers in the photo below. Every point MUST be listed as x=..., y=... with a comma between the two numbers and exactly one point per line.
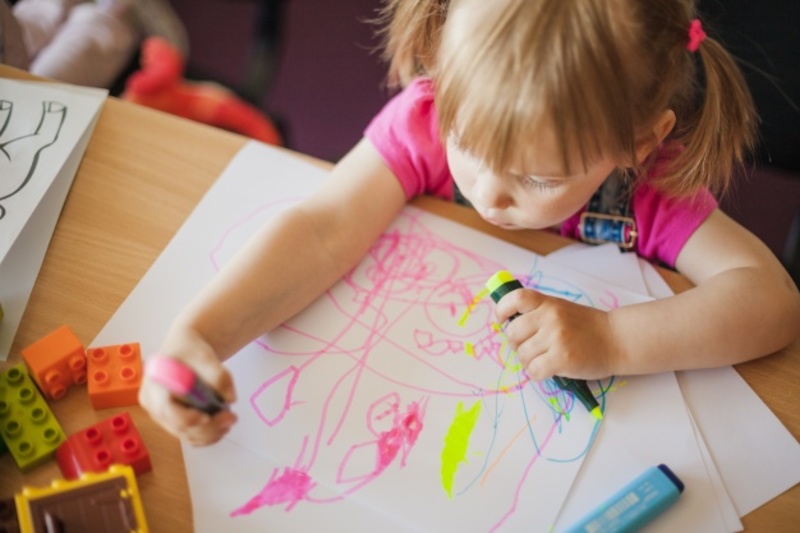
x=223, y=384
x=540, y=368
x=184, y=422
x=212, y=431
x=163, y=408
x=522, y=334
x=210, y=370
x=529, y=349
x=517, y=302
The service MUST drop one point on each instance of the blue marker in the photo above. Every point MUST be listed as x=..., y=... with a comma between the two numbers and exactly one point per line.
x=634, y=505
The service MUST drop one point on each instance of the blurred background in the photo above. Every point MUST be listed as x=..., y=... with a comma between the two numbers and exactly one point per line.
x=322, y=78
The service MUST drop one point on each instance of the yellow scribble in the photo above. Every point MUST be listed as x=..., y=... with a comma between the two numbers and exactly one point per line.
x=509, y=354
x=614, y=387
x=456, y=442
x=469, y=348
x=496, y=327
x=477, y=298
x=557, y=407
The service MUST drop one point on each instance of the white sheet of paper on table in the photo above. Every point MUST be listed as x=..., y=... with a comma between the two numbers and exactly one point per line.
x=44, y=135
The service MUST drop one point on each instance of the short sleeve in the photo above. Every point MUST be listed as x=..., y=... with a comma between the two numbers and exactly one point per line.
x=406, y=134
x=665, y=224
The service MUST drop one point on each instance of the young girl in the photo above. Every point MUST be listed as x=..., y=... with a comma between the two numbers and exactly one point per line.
x=608, y=119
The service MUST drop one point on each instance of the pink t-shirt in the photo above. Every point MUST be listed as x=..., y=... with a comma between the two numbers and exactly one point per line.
x=406, y=135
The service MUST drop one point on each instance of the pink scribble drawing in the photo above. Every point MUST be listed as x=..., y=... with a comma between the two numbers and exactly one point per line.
x=289, y=487
x=361, y=383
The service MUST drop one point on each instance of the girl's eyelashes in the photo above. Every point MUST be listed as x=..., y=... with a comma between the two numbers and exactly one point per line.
x=532, y=182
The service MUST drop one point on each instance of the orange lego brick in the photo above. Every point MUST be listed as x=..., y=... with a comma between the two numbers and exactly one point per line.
x=115, y=375
x=56, y=361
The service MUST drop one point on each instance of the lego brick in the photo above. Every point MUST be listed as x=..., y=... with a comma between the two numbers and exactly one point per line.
x=115, y=375
x=95, y=448
x=109, y=501
x=56, y=361
x=8, y=516
x=27, y=425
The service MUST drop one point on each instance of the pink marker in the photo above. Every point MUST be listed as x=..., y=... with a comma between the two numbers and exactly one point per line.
x=184, y=384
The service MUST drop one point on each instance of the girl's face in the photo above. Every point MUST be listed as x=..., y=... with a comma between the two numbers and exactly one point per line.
x=538, y=194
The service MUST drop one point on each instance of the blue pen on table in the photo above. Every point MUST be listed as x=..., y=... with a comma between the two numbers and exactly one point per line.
x=503, y=282
x=184, y=384
x=634, y=505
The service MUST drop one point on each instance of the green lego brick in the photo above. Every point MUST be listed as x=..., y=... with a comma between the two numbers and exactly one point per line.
x=28, y=427
x=3, y=449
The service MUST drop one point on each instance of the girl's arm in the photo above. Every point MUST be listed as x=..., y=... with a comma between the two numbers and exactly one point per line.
x=300, y=254
x=283, y=268
x=744, y=306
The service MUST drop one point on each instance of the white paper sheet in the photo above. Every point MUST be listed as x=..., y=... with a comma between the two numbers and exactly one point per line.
x=750, y=466
x=604, y=262
x=44, y=131
x=757, y=457
x=338, y=387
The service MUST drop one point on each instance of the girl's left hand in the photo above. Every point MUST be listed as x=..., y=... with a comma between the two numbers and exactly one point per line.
x=557, y=337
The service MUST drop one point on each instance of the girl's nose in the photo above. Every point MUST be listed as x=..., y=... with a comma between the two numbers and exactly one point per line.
x=491, y=193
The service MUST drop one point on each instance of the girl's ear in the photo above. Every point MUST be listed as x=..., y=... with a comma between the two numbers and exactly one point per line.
x=661, y=128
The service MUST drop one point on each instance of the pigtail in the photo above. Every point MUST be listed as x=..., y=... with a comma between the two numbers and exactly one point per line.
x=720, y=132
x=411, y=33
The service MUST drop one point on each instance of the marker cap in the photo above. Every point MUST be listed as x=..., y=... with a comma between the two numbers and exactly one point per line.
x=501, y=283
x=633, y=506
x=171, y=373
x=183, y=384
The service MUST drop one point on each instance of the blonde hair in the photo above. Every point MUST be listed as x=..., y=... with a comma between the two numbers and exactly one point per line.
x=600, y=72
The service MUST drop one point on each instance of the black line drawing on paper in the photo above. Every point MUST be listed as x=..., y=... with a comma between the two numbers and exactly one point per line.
x=19, y=157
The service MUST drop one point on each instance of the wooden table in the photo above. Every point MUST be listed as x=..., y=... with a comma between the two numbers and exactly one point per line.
x=141, y=176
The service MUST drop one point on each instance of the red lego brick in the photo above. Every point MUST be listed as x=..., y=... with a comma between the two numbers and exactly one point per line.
x=95, y=448
x=56, y=361
x=115, y=375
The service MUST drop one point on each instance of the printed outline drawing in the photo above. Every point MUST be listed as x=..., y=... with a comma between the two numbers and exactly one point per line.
x=44, y=135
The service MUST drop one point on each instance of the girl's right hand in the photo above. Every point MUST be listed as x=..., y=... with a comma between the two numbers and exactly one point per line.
x=187, y=423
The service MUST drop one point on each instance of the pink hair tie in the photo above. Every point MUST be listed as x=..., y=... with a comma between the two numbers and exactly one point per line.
x=696, y=35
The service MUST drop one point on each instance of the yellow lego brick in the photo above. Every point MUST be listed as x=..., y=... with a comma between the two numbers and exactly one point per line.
x=108, y=501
